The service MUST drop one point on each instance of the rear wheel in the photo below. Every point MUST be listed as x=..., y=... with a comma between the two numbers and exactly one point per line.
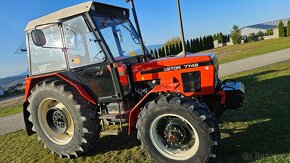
x=62, y=119
x=173, y=129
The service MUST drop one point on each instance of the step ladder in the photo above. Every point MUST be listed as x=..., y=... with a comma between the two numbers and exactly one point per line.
x=113, y=116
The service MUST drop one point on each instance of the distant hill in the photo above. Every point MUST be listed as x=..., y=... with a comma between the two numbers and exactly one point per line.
x=23, y=73
x=12, y=80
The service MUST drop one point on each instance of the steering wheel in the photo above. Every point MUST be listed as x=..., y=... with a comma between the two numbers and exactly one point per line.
x=96, y=57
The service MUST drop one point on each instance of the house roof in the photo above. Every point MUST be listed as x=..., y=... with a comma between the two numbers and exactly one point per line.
x=268, y=25
x=261, y=26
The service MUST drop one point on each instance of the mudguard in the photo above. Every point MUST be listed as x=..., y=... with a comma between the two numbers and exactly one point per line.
x=133, y=115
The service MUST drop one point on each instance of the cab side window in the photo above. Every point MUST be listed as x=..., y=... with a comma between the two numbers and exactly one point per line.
x=82, y=46
x=49, y=58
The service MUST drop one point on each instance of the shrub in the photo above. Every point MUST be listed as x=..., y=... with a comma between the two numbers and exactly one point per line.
x=269, y=32
x=281, y=29
x=252, y=37
x=260, y=34
x=288, y=28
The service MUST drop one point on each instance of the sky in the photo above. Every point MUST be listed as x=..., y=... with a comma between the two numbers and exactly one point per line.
x=158, y=20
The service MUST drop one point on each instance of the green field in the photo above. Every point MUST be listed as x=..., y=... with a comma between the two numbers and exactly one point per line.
x=259, y=132
x=235, y=52
x=11, y=110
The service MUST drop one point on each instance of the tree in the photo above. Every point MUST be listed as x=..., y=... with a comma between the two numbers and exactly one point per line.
x=163, y=51
x=170, y=50
x=201, y=44
x=192, y=46
x=236, y=34
x=220, y=37
x=167, y=52
x=260, y=34
x=187, y=45
x=152, y=53
x=172, y=41
x=179, y=49
x=288, y=28
x=281, y=29
x=159, y=53
x=156, y=54
x=215, y=37
x=204, y=43
x=211, y=39
x=197, y=45
x=175, y=49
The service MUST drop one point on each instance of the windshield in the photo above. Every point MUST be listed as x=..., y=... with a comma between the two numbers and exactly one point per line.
x=120, y=36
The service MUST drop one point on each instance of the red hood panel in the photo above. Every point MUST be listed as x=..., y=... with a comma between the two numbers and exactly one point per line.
x=171, y=61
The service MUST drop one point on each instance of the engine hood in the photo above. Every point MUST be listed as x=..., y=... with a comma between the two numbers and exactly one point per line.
x=170, y=61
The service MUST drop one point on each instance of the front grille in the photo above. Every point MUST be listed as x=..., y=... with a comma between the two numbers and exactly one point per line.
x=191, y=81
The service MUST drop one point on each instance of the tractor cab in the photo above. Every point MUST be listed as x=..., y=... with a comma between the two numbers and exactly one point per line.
x=86, y=42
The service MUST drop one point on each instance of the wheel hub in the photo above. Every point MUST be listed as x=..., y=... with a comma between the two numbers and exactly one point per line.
x=174, y=134
x=56, y=120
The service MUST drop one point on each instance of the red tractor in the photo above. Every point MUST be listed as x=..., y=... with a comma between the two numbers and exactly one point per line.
x=86, y=71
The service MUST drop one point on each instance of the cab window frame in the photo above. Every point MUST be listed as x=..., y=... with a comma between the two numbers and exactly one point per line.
x=98, y=42
x=29, y=52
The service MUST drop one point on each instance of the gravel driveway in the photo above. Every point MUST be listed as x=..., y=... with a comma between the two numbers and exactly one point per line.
x=254, y=62
x=11, y=123
x=15, y=122
x=11, y=101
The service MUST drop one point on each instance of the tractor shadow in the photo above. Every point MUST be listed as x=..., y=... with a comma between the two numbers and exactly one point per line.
x=115, y=143
x=261, y=129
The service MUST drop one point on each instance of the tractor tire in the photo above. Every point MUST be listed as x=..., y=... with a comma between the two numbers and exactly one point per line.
x=63, y=120
x=176, y=129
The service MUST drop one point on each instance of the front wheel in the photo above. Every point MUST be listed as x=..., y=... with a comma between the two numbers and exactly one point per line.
x=174, y=129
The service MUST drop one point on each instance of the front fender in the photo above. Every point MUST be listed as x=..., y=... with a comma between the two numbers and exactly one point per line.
x=133, y=115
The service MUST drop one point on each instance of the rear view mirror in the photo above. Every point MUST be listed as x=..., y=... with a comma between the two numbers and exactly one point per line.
x=38, y=37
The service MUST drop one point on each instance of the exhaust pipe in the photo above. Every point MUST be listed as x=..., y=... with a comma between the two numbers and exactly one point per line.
x=181, y=30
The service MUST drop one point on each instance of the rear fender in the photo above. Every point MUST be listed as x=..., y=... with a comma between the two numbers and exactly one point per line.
x=31, y=82
x=133, y=115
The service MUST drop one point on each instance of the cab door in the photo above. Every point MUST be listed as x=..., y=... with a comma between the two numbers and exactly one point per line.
x=88, y=62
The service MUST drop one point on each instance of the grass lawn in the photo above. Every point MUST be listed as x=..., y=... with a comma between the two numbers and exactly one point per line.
x=259, y=132
x=11, y=110
x=235, y=52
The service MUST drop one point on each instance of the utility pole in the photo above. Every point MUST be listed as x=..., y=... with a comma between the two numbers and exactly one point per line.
x=181, y=28
x=138, y=28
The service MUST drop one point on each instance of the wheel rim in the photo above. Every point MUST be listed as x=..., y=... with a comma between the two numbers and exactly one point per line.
x=56, y=121
x=174, y=137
